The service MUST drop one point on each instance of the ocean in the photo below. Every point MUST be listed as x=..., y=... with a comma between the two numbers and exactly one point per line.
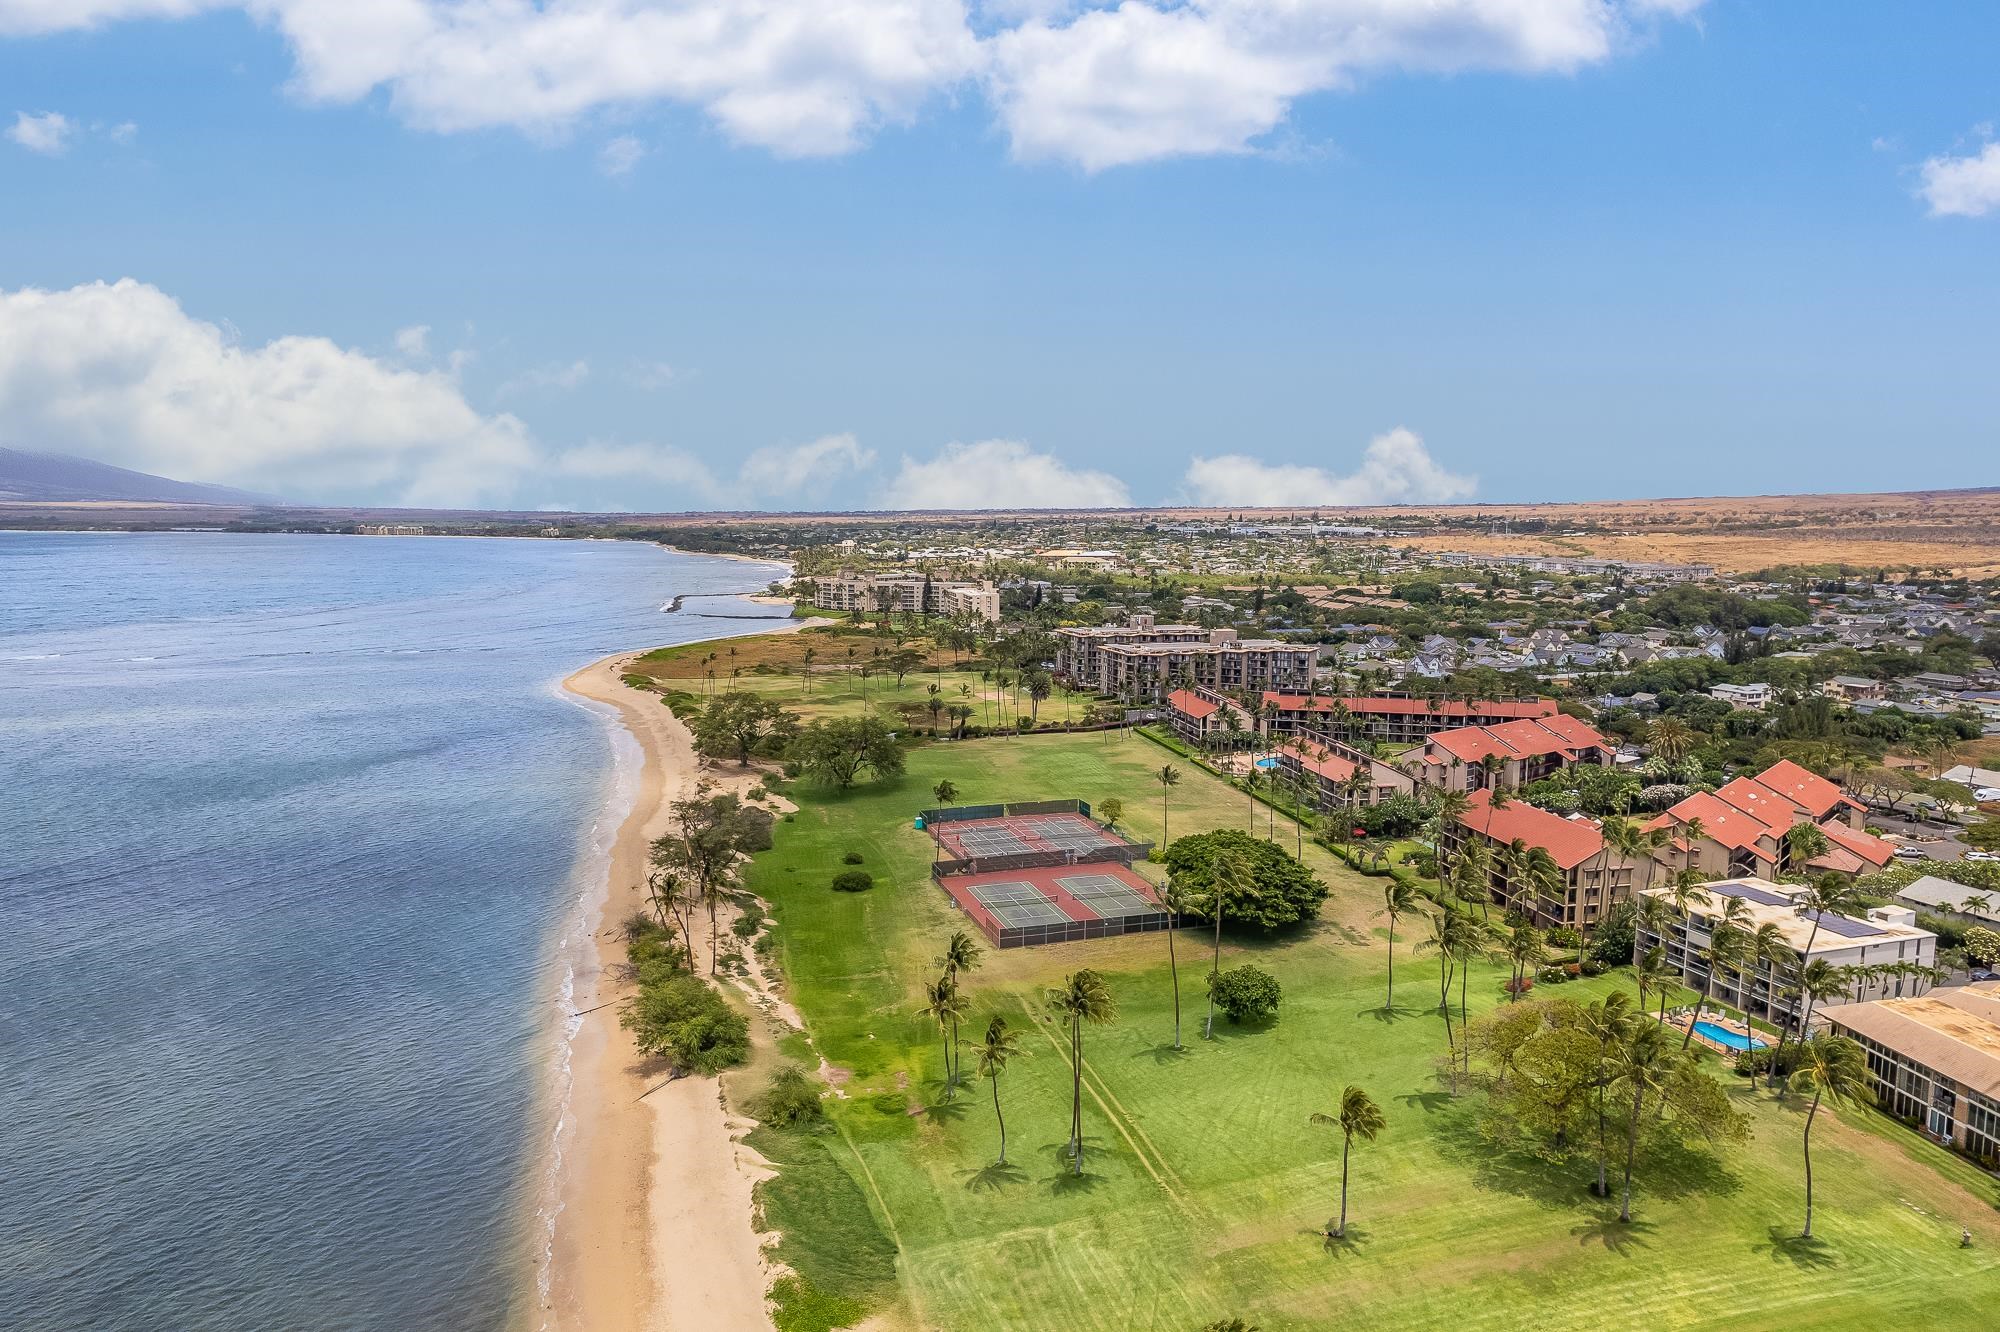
x=290, y=830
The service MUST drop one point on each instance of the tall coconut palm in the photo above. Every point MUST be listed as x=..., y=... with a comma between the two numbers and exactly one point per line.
x=944, y=1006
x=1653, y=974
x=1805, y=843
x=1446, y=806
x=945, y=792
x=1168, y=777
x=1173, y=902
x=1609, y=1022
x=1727, y=943
x=1361, y=1118
x=1691, y=832
x=1828, y=1066
x=1082, y=999
x=1828, y=893
x=1643, y=1064
x=1399, y=898
x=997, y=1047
x=960, y=955
x=1543, y=880
x=1526, y=948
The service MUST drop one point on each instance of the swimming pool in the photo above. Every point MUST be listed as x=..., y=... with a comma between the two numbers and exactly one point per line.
x=1267, y=763
x=1724, y=1036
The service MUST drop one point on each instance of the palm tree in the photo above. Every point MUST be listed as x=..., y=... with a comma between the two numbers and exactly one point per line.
x=1082, y=998
x=1174, y=903
x=1168, y=777
x=1440, y=942
x=998, y=1046
x=1252, y=779
x=806, y=673
x=1543, y=880
x=1804, y=843
x=1727, y=943
x=1610, y=1020
x=1672, y=739
x=1643, y=1063
x=1653, y=973
x=1360, y=1118
x=1446, y=806
x=960, y=955
x=1828, y=1066
x=1399, y=898
x=945, y=792
x=1526, y=948
x=943, y=1006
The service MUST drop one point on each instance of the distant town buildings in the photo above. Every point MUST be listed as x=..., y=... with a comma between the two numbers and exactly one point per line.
x=390, y=529
x=913, y=593
x=1743, y=827
x=1142, y=659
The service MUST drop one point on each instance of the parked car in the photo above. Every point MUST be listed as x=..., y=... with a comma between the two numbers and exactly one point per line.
x=1981, y=855
x=1982, y=973
x=1912, y=853
x=1986, y=794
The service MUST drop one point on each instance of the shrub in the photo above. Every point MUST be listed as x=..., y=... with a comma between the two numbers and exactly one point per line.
x=1592, y=967
x=1551, y=975
x=1982, y=945
x=1519, y=985
x=1245, y=993
x=682, y=1019
x=853, y=881
x=1280, y=892
x=748, y=922
x=799, y=1306
x=851, y=858
x=1617, y=935
x=1562, y=936
x=791, y=1099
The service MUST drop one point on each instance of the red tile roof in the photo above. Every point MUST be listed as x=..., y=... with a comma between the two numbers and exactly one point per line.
x=1774, y=809
x=1818, y=795
x=1512, y=708
x=1184, y=700
x=1865, y=845
x=1520, y=739
x=1721, y=822
x=1569, y=842
x=1324, y=762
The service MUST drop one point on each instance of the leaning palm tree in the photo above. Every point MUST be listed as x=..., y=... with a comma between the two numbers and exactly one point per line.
x=945, y=792
x=1609, y=1022
x=1644, y=1064
x=1526, y=948
x=944, y=1006
x=1832, y=1066
x=998, y=1046
x=1082, y=998
x=1173, y=902
x=1728, y=942
x=1360, y=1118
x=1446, y=806
x=1399, y=898
x=1653, y=974
x=1168, y=777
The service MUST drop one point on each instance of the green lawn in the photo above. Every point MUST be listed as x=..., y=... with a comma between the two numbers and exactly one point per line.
x=1206, y=1187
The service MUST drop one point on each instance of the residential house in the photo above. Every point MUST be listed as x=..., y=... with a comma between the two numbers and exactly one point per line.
x=1954, y=901
x=1755, y=697
x=1511, y=754
x=1854, y=688
x=1745, y=821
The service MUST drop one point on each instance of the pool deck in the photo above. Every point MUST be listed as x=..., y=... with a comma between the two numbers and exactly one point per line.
x=1681, y=1020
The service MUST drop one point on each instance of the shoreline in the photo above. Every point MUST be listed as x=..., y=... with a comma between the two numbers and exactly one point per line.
x=654, y=1228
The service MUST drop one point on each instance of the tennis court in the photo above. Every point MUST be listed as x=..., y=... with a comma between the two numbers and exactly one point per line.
x=1019, y=908
x=1055, y=837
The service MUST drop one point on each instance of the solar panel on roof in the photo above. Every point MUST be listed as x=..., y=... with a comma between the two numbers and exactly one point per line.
x=1749, y=894
x=1847, y=928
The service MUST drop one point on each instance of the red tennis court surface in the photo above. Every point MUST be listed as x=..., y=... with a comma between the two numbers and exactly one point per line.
x=1056, y=904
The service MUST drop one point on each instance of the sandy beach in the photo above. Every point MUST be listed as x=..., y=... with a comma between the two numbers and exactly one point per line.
x=656, y=1230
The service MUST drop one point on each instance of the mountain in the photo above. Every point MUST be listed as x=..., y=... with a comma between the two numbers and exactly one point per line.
x=55, y=477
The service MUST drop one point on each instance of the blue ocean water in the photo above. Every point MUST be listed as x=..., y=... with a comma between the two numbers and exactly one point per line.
x=288, y=825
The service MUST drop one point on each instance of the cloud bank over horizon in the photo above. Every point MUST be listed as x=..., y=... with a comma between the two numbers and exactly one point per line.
x=121, y=373
x=1093, y=85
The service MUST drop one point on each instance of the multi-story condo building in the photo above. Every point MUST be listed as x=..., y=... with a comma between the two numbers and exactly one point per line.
x=1593, y=878
x=1743, y=827
x=1883, y=938
x=1144, y=660
x=1510, y=755
x=915, y=594
x=1935, y=1062
x=1328, y=770
x=1396, y=718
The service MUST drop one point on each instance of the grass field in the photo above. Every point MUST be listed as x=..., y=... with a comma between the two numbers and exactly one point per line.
x=832, y=683
x=1206, y=1188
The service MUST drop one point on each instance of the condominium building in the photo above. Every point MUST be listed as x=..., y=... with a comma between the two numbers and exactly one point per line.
x=912, y=593
x=1510, y=755
x=1397, y=718
x=1593, y=878
x=1883, y=938
x=1327, y=770
x=1934, y=1060
x=1743, y=826
x=1145, y=660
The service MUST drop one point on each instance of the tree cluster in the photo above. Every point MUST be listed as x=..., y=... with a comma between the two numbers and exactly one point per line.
x=1274, y=891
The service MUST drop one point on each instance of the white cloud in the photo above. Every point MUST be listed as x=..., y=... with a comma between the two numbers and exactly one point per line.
x=1966, y=186
x=48, y=133
x=804, y=470
x=1146, y=80
x=1082, y=81
x=620, y=155
x=999, y=474
x=119, y=372
x=556, y=376
x=1395, y=469
x=414, y=341
x=650, y=375
x=123, y=132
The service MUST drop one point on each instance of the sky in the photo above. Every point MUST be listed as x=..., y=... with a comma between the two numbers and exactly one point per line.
x=813, y=254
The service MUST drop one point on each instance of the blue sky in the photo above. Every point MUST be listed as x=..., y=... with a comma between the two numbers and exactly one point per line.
x=1702, y=256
